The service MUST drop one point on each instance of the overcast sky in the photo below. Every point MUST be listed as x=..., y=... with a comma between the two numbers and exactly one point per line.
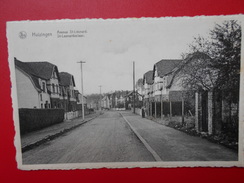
x=109, y=47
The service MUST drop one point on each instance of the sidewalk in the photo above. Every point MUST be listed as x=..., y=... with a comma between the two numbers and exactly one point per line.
x=173, y=145
x=38, y=137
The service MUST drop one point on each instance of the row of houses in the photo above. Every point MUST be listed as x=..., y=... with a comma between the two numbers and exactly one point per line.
x=40, y=85
x=165, y=97
x=115, y=100
x=119, y=100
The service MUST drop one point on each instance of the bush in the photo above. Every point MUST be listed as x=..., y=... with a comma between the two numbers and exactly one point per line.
x=35, y=119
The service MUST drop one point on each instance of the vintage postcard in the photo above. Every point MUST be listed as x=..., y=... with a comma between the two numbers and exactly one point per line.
x=124, y=93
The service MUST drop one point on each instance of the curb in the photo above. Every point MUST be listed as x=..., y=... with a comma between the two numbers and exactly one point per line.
x=53, y=136
x=148, y=147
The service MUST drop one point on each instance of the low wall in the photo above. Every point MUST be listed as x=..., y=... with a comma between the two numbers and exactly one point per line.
x=177, y=120
x=137, y=111
x=72, y=115
x=35, y=119
x=75, y=114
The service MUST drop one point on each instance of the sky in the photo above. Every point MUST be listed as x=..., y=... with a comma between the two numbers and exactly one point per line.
x=109, y=47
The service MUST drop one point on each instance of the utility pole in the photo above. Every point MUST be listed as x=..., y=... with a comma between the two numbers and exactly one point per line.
x=82, y=101
x=134, y=111
x=100, y=98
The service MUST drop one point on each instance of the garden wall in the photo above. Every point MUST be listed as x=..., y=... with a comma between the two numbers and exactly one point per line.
x=35, y=119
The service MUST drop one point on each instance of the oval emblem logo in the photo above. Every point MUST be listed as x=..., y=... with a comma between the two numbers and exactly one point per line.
x=22, y=34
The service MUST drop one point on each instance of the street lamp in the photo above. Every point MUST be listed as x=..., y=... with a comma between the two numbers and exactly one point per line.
x=82, y=102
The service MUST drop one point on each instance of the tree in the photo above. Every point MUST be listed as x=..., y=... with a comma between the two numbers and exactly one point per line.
x=197, y=73
x=222, y=71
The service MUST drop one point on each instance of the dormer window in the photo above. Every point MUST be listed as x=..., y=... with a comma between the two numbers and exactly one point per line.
x=54, y=75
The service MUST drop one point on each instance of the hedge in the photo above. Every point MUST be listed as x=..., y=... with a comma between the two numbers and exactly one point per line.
x=35, y=119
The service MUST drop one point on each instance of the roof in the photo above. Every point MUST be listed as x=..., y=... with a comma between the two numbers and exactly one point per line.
x=189, y=58
x=164, y=67
x=148, y=77
x=27, y=70
x=66, y=78
x=132, y=92
x=42, y=70
x=139, y=82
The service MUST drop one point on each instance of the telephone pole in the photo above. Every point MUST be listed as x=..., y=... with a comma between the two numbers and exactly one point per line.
x=134, y=87
x=100, y=98
x=82, y=101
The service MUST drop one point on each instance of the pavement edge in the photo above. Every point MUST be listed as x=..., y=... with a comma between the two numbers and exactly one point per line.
x=148, y=147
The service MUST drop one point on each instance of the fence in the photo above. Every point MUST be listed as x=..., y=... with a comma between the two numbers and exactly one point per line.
x=35, y=119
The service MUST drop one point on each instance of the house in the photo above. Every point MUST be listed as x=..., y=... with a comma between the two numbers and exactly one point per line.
x=37, y=84
x=162, y=73
x=148, y=91
x=67, y=95
x=78, y=107
x=129, y=98
x=106, y=102
x=139, y=88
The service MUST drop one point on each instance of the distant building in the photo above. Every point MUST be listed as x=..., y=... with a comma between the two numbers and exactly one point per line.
x=140, y=88
x=106, y=102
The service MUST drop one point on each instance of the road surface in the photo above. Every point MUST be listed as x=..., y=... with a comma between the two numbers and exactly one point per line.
x=104, y=139
x=111, y=138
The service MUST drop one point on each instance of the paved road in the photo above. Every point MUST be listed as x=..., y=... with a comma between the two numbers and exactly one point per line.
x=107, y=138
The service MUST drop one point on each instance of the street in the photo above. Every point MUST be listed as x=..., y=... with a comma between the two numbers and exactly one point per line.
x=105, y=139
x=109, y=138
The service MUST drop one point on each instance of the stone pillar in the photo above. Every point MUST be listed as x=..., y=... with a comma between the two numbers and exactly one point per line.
x=196, y=112
x=162, y=114
x=150, y=108
x=210, y=112
x=147, y=104
x=155, y=110
x=170, y=110
x=182, y=111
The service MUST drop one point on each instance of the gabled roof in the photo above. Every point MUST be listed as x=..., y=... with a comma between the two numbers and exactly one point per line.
x=189, y=58
x=139, y=82
x=43, y=70
x=148, y=77
x=132, y=92
x=164, y=67
x=28, y=71
x=66, y=79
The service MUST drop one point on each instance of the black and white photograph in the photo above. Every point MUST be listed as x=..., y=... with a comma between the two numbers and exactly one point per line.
x=124, y=93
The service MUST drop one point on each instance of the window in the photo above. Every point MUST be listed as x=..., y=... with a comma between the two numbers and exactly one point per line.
x=42, y=106
x=71, y=93
x=57, y=88
x=53, y=88
x=41, y=97
x=44, y=86
x=54, y=75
